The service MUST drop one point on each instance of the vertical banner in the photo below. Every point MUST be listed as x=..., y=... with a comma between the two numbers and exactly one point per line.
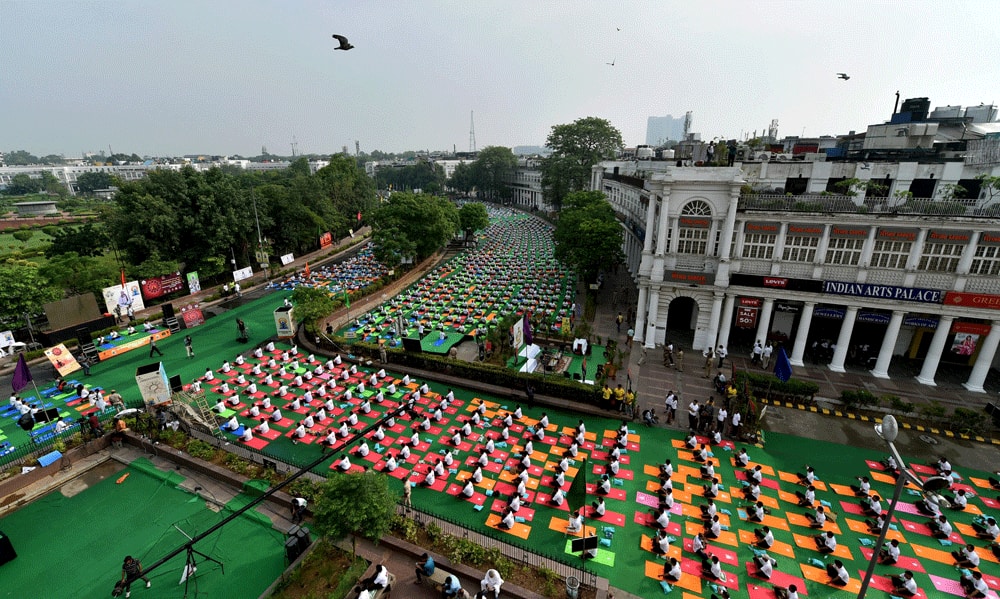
x=517, y=335
x=284, y=323
x=62, y=359
x=325, y=240
x=194, y=284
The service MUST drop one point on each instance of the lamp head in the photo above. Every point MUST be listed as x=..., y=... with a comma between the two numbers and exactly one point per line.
x=936, y=483
x=888, y=430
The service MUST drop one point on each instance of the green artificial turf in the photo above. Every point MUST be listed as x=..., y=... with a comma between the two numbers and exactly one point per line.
x=74, y=546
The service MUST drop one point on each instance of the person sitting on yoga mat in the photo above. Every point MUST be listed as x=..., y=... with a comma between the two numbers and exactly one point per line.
x=818, y=519
x=889, y=554
x=904, y=585
x=456, y=439
x=839, y=576
x=234, y=400
x=254, y=411
x=390, y=463
x=362, y=450
x=344, y=464
x=708, y=470
x=988, y=531
x=808, y=477
x=708, y=509
x=331, y=438
x=756, y=475
x=468, y=490
x=959, y=501
x=559, y=480
x=557, y=498
x=712, y=489
x=209, y=375
x=765, y=538
x=713, y=528
x=248, y=434
x=940, y=527
x=791, y=592
x=807, y=499
x=604, y=485
x=765, y=565
x=756, y=512
x=233, y=424
x=661, y=543
x=712, y=568
x=507, y=520
x=220, y=407
x=300, y=432
x=575, y=524
x=826, y=542
x=666, y=468
x=672, y=570
x=928, y=507
x=966, y=557
x=863, y=488
x=343, y=431
x=699, y=546
x=751, y=492
x=975, y=586
x=599, y=509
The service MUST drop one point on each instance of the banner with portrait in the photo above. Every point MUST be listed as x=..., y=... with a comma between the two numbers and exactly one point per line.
x=154, y=287
x=62, y=359
x=194, y=283
x=287, y=259
x=325, y=240
x=243, y=273
x=121, y=297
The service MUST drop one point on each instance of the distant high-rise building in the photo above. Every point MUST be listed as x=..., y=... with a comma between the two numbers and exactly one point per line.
x=660, y=129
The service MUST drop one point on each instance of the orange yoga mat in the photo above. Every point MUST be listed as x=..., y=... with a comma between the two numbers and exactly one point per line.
x=560, y=524
x=769, y=502
x=726, y=537
x=801, y=520
x=809, y=543
x=687, y=581
x=646, y=542
x=747, y=538
x=861, y=527
x=819, y=575
x=790, y=477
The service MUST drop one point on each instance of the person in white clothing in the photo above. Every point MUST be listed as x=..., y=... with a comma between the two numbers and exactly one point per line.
x=491, y=583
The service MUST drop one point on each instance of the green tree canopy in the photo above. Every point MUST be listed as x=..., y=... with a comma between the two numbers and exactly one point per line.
x=462, y=178
x=412, y=227
x=86, y=240
x=91, y=182
x=312, y=304
x=473, y=217
x=23, y=290
x=23, y=184
x=355, y=504
x=491, y=171
x=576, y=147
x=588, y=236
x=80, y=274
x=424, y=175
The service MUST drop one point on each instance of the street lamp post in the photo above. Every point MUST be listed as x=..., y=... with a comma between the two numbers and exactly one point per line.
x=888, y=431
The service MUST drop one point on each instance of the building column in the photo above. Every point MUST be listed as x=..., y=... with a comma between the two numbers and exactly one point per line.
x=654, y=305
x=661, y=231
x=713, y=320
x=647, y=243
x=984, y=360
x=881, y=369
x=726, y=241
x=844, y=339
x=934, y=352
x=802, y=335
x=764, y=321
x=640, y=315
x=726, y=321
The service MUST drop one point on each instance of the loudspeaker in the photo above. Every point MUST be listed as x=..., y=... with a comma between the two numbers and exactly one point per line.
x=168, y=310
x=83, y=337
x=292, y=549
x=7, y=552
x=304, y=538
x=412, y=345
x=176, y=384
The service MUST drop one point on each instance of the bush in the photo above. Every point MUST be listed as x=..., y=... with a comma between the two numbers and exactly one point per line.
x=23, y=236
x=897, y=404
x=200, y=449
x=933, y=411
x=50, y=230
x=967, y=422
x=769, y=386
x=858, y=399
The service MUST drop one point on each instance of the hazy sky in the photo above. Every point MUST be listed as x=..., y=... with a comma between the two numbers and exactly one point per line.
x=224, y=77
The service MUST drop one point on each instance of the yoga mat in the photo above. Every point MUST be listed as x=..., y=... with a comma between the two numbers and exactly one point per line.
x=519, y=529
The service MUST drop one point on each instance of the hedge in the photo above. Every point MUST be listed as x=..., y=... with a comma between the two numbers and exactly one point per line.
x=769, y=386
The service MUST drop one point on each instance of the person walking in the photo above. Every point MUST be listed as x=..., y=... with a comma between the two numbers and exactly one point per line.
x=132, y=571
x=153, y=348
x=619, y=320
x=709, y=362
x=238, y=289
x=298, y=509
x=188, y=347
x=721, y=353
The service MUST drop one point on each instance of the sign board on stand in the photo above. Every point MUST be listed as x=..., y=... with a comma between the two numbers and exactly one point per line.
x=284, y=321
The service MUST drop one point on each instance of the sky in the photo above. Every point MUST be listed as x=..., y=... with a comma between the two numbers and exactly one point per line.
x=228, y=77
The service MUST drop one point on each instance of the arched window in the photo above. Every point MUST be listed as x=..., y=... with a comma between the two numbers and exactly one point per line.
x=695, y=223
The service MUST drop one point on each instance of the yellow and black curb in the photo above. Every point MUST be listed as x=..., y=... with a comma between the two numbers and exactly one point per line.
x=864, y=418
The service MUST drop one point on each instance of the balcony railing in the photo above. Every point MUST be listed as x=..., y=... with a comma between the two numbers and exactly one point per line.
x=863, y=205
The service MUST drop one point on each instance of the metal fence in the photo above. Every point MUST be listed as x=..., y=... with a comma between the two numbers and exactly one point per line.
x=862, y=205
x=26, y=453
x=560, y=564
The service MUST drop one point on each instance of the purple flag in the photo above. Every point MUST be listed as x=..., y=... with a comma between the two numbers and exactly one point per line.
x=528, y=337
x=22, y=375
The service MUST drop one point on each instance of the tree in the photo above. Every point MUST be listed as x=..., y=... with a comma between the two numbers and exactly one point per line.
x=90, y=182
x=412, y=227
x=990, y=185
x=23, y=184
x=23, y=290
x=492, y=170
x=576, y=147
x=312, y=304
x=86, y=240
x=20, y=158
x=588, y=236
x=355, y=504
x=473, y=217
x=462, y=178
x=77, y=274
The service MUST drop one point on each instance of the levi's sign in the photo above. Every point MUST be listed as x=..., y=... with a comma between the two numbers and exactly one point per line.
x=889, y=292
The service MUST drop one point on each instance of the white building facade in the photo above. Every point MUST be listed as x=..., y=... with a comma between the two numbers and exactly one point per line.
x=841, y=280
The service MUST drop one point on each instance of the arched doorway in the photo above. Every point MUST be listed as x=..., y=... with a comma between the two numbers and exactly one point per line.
x=682, y=318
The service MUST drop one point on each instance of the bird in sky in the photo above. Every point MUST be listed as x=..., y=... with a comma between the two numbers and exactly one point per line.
x=344, y=44
x=843, y=76
x=612, y=63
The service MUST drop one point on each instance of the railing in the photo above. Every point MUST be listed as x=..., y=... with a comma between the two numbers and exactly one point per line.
x=862, y=205
x=25, y=453
x=560, y=564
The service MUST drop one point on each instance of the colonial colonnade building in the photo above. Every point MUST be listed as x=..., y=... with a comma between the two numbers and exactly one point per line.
x=842, y=279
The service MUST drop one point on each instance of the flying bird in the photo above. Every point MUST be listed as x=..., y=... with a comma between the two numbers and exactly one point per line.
x=344, y=44
x=843, y=76
x=612, y=63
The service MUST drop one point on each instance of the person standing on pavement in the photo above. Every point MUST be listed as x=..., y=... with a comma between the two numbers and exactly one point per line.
x=619, y=320
x=680, y=361
x=670, y=405
x=765, y=355
x=709, y=362
x=721, y=353
x=693, y=409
